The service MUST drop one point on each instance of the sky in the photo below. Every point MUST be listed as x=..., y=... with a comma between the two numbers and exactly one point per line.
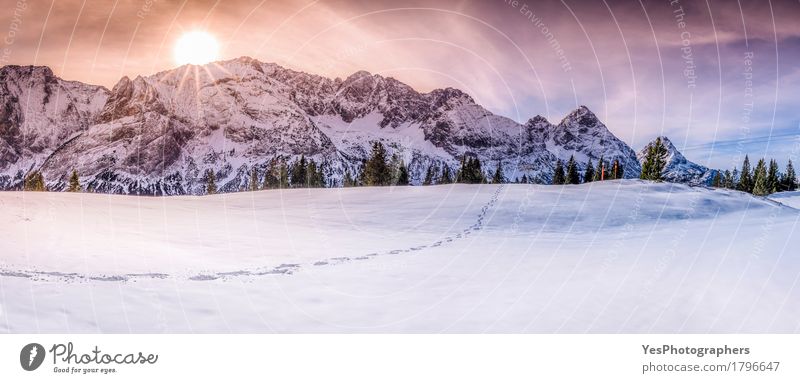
x=720, y=78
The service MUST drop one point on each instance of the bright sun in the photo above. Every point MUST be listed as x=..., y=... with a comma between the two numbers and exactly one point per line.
x=197, y=47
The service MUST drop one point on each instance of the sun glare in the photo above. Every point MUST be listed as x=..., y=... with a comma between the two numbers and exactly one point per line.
x=197, y=47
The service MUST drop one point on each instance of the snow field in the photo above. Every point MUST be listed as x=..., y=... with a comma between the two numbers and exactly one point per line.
x=621, y=256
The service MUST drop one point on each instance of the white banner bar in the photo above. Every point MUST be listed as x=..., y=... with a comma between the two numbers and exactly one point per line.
x=400, y=358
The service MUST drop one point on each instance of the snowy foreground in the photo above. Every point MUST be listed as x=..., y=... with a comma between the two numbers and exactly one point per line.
x=623, y=256
x=791, y=198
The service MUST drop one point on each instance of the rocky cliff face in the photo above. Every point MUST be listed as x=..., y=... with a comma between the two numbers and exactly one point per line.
x=38, y=113
x=158, y=135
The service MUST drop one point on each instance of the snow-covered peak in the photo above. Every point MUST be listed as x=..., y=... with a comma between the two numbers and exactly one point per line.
x=30, y=72
x=582, y=134
x=538, y=120
x=584, y=118
x=678, y=168
x=123, y=83
x=360, y=75
x=449, y=98
x=673, y=155
x=245, y=60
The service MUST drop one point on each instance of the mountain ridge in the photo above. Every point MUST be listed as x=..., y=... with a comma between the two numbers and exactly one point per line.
x=159, y=134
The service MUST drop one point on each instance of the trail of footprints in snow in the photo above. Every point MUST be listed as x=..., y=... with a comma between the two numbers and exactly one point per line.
x=286, y=268
x=463, y=234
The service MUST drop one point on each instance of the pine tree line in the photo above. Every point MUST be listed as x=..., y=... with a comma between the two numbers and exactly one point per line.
x=569, y=174
x=436, y=176
x=378, y=170
x=470, y=171
x=34, y=181
x=765, y=179
x=279, y=174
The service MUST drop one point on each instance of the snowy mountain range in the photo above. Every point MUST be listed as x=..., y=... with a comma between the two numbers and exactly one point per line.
x=158, y=135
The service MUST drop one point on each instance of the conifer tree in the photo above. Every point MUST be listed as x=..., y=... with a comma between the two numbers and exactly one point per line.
x=299, y=176
x=211, y=182
x=254, y=179
x=283, y=175
x=647, y=165
x=376, y=170
x=600, y=173
x=34, y=181
x=558, y=175
x=347, y=179
x=617, y=171
x=428, y=176
x=360, y=174
x=499, y=177
x=760, y=184
x=465, y=170
x=277, y=176
x=320, y=178
x=74, y=183
x=572, y=172
x=446, y=178
x=312, y=175
x=402, y=174
x=654, y=162
x=613, y=168
x=789, y=179
x=270, y=179
x=773, y=179
x=272, y=176
x=717, y=181
x=745, y=177
x=660, y=162
x=727, y=180
x=470, y=172
x=463, y=174
x=524, y=179
x=478, y=176
x=588, y=175
x=394, y=169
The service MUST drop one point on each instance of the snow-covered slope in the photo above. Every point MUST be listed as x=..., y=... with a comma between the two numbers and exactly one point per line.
x=789, y=198
x=678, y=169
x=614, y=256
